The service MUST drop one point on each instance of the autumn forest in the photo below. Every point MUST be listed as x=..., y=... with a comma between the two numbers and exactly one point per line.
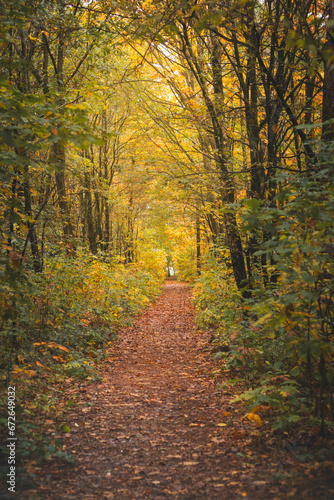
x=176, y=147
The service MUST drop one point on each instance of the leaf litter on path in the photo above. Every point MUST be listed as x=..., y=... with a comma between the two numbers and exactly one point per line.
x=155, y=430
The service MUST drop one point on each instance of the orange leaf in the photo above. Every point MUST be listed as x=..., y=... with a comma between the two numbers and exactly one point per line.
x=61, y=347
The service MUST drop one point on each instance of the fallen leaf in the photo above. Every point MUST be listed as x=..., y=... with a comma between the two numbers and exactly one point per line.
x=256, y=418
x=238, y=434
x=217, y=440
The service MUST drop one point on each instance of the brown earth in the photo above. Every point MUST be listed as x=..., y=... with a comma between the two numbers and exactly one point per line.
x=150, y=429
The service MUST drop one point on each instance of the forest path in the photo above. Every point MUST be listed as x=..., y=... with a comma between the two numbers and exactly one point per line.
x=150, y=429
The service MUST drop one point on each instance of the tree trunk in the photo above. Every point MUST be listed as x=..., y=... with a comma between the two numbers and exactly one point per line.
x=59, y=153
x=91, y=233
x=198, y=244
x=59, y=160
x=328, y=87
x=232, y=234
x=106, y=226
x=32, y=236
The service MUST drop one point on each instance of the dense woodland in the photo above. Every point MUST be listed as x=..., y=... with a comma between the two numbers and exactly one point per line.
x=141, y=139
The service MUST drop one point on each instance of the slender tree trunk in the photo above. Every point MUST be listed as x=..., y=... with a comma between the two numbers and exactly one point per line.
x=328, y=87
x=98, y=218
x=59, y=160
x=232, y=234
x=106, y=225
x=59, y=153
x=198, y=244
x=252, y=125
x=91, y=233
x=36, y=258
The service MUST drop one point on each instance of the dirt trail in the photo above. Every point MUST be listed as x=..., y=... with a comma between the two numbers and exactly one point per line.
x=149, y=430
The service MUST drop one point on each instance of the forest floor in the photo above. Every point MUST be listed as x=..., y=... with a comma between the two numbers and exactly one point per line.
x=159, y=425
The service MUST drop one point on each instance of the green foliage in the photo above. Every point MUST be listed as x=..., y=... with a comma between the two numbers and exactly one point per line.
x=72, y=310
x=216, y=297
x=284, y=332
x=32, y=446
x=303, y=300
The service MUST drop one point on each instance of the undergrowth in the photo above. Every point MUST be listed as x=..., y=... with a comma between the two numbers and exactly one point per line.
x=56, y=327
x=253, y=340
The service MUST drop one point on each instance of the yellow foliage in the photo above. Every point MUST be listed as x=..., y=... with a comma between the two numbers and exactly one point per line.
x=255, y=418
